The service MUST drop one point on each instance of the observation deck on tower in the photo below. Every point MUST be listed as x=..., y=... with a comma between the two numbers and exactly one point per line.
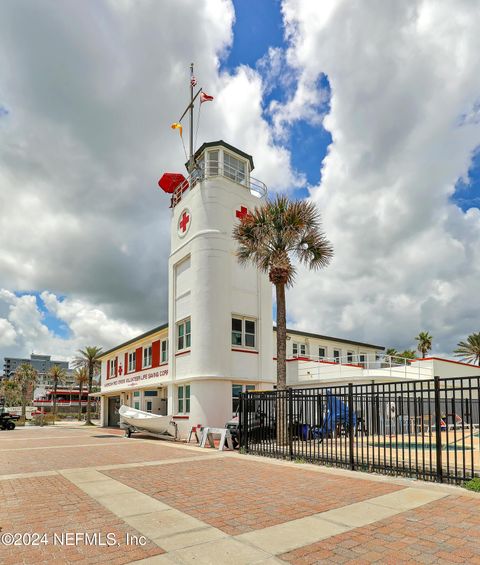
x=219, y=159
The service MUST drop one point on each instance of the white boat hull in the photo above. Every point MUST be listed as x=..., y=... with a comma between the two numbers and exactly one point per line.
x=146, y=421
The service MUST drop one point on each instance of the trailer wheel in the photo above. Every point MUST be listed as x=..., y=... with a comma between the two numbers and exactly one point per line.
x=10, y=425
x=128, y=432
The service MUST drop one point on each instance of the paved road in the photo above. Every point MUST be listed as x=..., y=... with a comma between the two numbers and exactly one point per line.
x=93, y=496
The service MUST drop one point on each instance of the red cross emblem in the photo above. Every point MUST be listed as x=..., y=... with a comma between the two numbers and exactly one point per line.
x=240, y=214
x=184, y=222
x=120, y=369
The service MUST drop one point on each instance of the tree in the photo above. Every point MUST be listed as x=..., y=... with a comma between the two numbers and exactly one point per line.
x=26, y=377
x=391, y=352
x=407, y=354
x=10, y=393
x=57, y=374
x=81, y=377
x=90, y=359
x=269, y=238
x=424, y=344
x=469, y=350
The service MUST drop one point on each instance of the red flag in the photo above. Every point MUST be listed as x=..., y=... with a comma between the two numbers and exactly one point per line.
x=204, y=97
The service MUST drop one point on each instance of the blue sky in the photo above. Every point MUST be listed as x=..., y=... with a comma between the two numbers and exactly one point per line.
x=54, y=324
x=258, y=27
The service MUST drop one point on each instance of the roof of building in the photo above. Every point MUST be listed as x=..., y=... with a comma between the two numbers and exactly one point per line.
x=134, y=339
x=329, y=338
x=295, y=332
x=227, y=146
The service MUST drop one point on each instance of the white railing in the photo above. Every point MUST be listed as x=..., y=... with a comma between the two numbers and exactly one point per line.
x=218, y=169
x=356, y=366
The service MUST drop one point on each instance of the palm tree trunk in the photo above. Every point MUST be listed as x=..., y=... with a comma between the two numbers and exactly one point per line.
x=80, y=401
x=24, y=403
x=55, y=383
x=281, y=337
x=88, y=421
x=281, y=404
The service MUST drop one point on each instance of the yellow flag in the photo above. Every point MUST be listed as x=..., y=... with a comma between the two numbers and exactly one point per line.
x=177, y=126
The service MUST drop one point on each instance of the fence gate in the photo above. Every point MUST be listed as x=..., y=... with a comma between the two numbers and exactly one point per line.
x=427, y=429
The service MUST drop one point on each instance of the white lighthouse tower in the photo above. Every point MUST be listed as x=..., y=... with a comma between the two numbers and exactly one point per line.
x=220, y=313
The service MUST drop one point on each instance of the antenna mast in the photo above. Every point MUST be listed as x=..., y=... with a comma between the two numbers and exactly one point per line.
x=193, y=82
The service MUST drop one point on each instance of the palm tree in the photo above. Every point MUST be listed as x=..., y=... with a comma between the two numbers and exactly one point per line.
x=269, y=238
x=469, y=350
x=81, y=377
x=424, y=343
x=10, y=393
x=26, y=377
x=57, y=374
x=90, y=359
x=391, y=352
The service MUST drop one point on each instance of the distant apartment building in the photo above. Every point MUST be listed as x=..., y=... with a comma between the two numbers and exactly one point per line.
x=42, y=364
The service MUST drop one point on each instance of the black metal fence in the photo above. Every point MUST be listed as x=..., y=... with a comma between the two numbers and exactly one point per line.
x=425, y=429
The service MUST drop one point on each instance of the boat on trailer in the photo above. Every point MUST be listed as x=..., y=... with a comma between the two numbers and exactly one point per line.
x=133, y=420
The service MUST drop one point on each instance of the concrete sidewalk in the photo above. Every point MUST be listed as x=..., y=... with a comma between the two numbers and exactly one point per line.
x=204, y=506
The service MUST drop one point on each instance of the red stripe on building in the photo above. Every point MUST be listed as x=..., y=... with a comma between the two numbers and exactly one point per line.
x=156, y=354
x=138, y=359
x=125, y=367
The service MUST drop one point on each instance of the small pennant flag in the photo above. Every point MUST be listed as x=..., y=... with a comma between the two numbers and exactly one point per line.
x=204, y=97
x=193, y=81
x=177, y=126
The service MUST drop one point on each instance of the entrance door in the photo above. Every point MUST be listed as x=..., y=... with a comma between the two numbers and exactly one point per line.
x=113, y=407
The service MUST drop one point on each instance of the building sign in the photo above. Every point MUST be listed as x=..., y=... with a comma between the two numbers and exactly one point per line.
x=135, y=378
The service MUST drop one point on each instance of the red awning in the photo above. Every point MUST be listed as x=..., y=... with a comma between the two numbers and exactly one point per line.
x=169, y=182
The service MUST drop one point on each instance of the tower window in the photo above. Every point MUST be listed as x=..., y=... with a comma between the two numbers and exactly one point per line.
x=183, y=397
x=184, y=335
x=336, y=355
x=233, y=168
x=322, y=352
x=243, y=332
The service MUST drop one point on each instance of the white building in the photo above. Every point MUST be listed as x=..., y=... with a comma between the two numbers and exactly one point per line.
x=219, y=340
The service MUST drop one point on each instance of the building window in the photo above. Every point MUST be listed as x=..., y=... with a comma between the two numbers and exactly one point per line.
x=136, y=393
x=183, y=335
x=243, y=332
x=236, y=390
x=212, y=163
x=299, y=349
x=350, y=355
x=322, y=352
x=147, y=357
x=150, y=393
x=336, y=355
x=233, y=168
x=149, y=406
x=164, y=351
x=361, y=359
x=132, y=359
x=137, y=406
x=112, y=368
x=183, y=399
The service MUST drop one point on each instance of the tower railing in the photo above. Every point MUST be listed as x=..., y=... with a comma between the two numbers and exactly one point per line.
x=218, y=169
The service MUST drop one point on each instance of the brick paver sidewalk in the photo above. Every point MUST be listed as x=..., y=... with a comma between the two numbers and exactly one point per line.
x=203, y=506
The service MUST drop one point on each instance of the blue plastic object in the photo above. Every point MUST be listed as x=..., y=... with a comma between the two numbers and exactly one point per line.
x=337, y=414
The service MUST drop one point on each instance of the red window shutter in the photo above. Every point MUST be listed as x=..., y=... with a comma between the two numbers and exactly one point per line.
x=155, y=353
x=125, y=367
x=108, y=369
x=116, y=366
x=138, y=359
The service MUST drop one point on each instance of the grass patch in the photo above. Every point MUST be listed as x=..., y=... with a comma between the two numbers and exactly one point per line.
x=300, y=460
x=473, y=484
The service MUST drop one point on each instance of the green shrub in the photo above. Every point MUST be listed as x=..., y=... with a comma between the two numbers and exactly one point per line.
x=300, y=460
x=473, y=484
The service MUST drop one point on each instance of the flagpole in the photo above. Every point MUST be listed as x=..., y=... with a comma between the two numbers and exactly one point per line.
x=191, y=117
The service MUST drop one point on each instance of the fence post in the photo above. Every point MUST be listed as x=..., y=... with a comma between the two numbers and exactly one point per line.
x=438, y=431
x=351, y=431
x=290, y=423
x=241, y=420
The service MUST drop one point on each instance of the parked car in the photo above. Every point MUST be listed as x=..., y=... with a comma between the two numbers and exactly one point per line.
x=7, y=420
